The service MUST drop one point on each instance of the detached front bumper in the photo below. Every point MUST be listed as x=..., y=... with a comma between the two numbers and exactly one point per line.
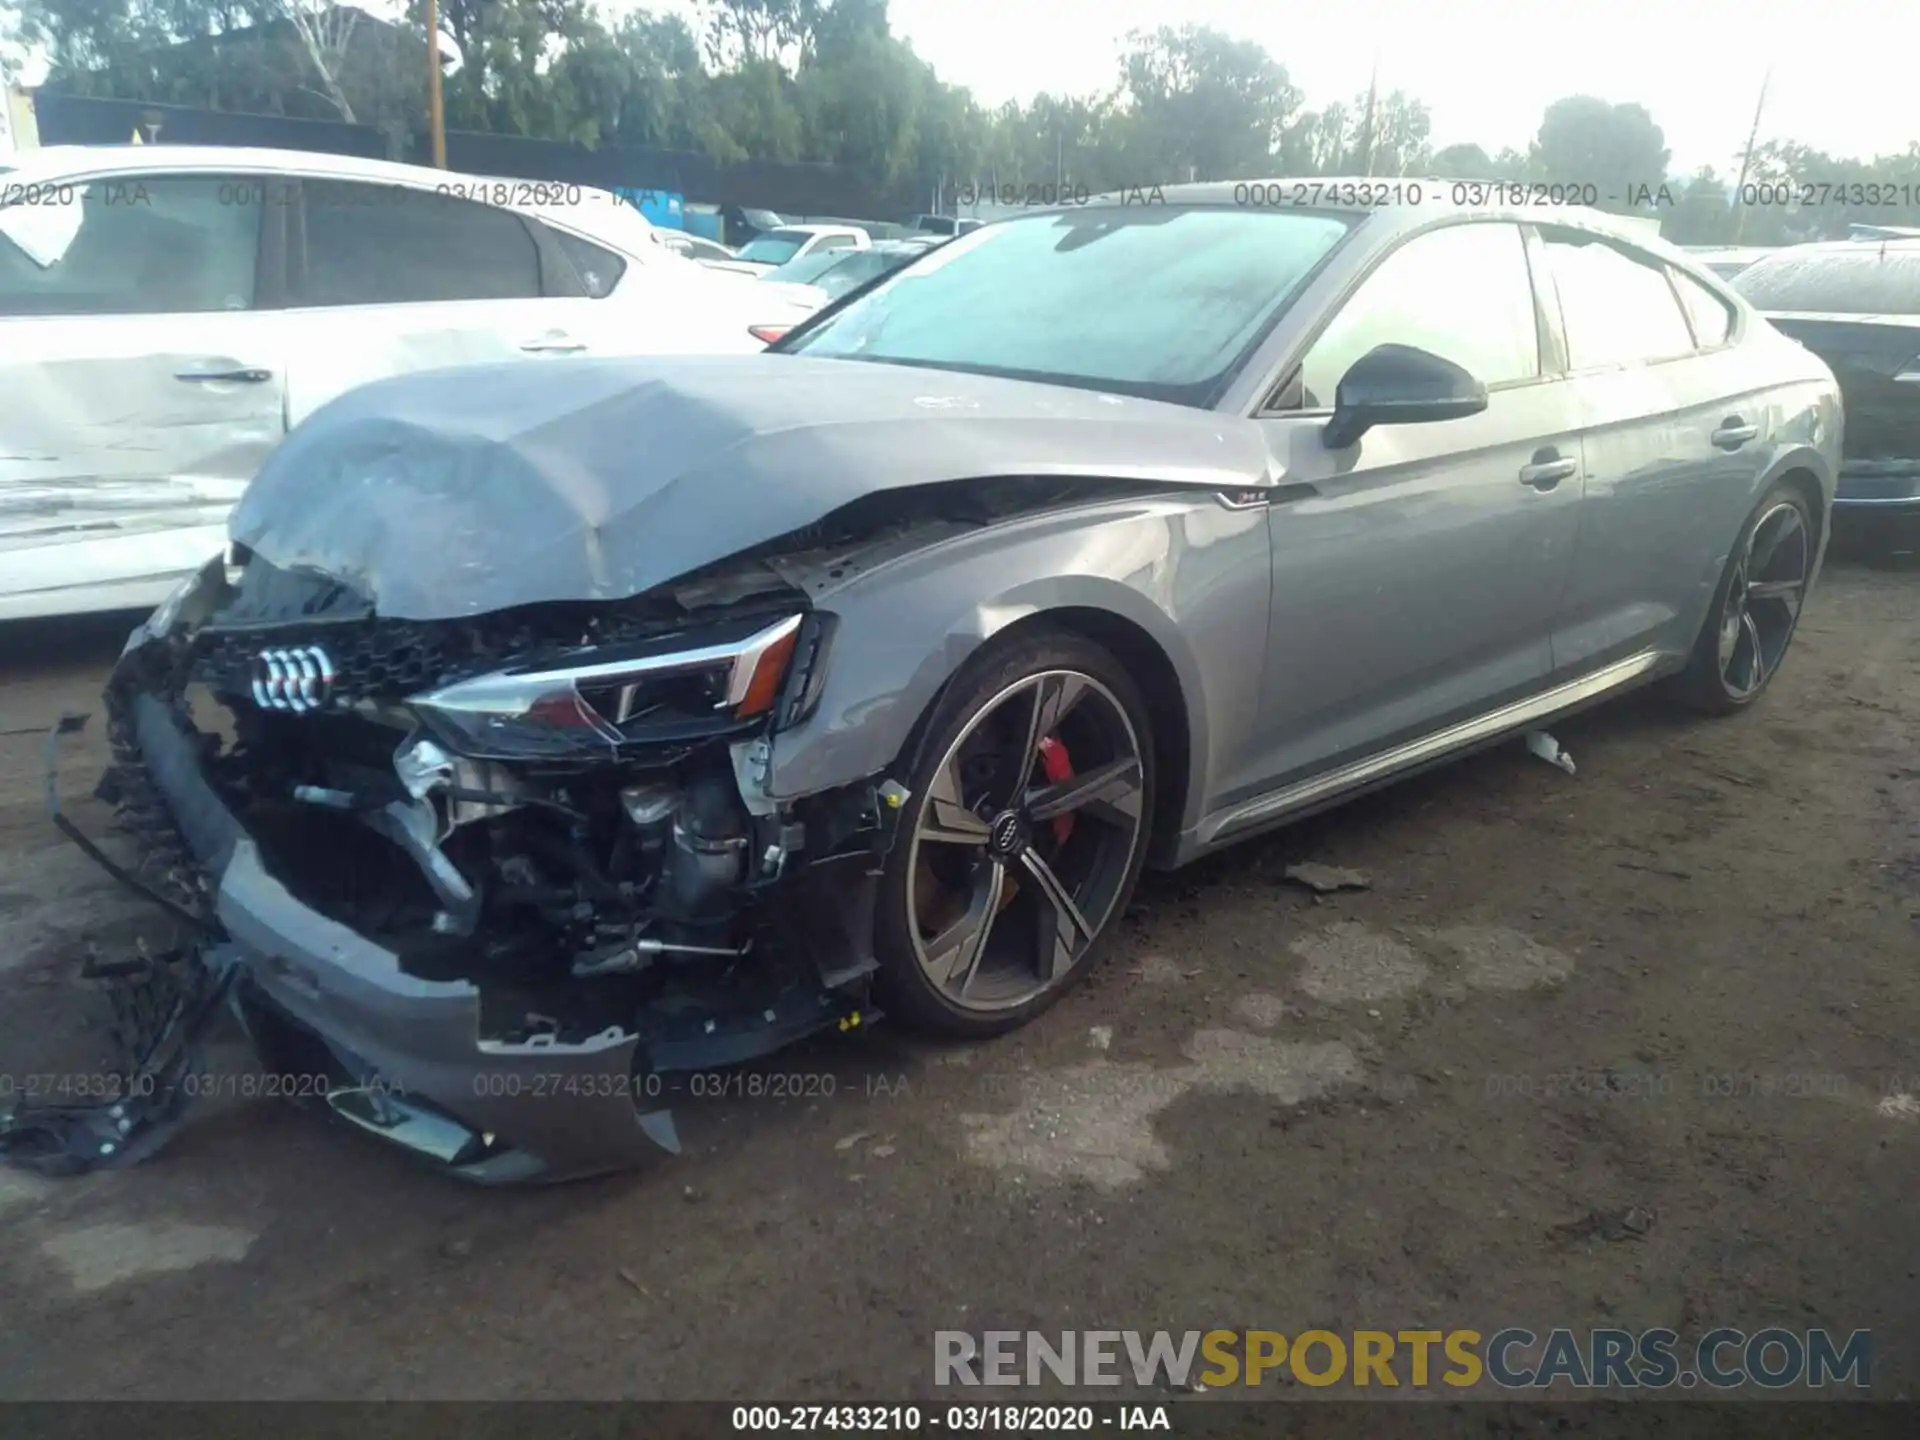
x=550, y=1110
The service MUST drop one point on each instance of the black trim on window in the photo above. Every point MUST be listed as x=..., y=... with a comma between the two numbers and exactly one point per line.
x=270, y=260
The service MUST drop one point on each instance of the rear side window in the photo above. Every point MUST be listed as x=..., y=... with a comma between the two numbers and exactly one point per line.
x=1712, y=320
x=138, y=245
x=361, y=244
x=1618, y=309
x=599, y=269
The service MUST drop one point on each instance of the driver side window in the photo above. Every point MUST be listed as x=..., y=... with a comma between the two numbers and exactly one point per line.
x=1463, y=293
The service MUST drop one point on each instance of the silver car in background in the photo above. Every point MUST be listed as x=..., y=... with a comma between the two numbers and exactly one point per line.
x=595, y=727
x=835, y=274
x=167, y=312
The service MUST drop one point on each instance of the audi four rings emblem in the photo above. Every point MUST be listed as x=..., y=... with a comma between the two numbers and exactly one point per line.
x=298, y=678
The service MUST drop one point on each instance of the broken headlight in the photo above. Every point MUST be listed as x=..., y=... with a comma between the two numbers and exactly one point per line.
x=160, y=623
x=607, y=700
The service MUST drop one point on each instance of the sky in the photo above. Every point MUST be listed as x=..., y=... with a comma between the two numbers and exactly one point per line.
x=1844, y=71
x=1844, y=78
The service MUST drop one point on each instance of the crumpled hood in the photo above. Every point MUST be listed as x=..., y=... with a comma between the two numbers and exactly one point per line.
x=459, y=492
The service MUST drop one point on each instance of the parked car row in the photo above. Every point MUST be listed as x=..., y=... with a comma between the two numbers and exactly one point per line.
x=830, y=274
x=167, y=314
x=668, y=709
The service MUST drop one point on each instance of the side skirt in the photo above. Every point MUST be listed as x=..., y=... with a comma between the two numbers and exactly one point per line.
x=1319, y=792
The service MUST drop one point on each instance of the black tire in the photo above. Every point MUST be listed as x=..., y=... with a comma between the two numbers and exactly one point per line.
x=1714, y=683
x=986, y=690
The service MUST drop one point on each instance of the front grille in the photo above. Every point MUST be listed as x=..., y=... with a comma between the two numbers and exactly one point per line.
x=377, y=660
x=386, y=661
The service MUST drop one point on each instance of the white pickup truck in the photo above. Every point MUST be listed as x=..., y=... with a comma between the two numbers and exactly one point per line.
x=793, y=242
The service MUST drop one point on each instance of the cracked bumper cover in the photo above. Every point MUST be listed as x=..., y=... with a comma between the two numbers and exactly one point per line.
x=565, y=1110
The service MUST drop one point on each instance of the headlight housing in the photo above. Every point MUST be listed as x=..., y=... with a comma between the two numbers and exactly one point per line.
x=167, y=613
x=608, y=700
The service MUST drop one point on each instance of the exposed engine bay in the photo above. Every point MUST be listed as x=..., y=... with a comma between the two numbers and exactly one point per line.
x=568, y=799
x=461, y=865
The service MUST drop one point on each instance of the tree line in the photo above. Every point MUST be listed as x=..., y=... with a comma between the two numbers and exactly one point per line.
x=828, y=81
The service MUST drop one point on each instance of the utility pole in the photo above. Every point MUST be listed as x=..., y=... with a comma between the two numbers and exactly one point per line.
x=436, y=115
x=1746, y=160
x=1366, y=126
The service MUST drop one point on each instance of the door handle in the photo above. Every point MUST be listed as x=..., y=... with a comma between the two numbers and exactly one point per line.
x=230, y=377
x=554, y=345
x=1734, y=433
x=1545, y=473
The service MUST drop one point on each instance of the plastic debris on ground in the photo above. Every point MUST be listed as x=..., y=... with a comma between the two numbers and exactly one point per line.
x=1540, y=743
x=1327, y=879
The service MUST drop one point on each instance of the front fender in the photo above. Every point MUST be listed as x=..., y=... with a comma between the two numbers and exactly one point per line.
x=1192, y=575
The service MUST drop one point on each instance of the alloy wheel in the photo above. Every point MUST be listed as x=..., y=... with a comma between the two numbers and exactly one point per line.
x=1023, y=846
x=1763, y=600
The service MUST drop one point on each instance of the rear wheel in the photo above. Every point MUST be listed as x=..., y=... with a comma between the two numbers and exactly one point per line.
x=1755, y=610
x=1024, y=836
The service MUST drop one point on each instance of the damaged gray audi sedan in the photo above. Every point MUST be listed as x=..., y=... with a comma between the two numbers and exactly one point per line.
x=551, y=733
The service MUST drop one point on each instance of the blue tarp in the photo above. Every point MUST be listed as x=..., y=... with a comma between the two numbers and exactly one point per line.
x=664, y=208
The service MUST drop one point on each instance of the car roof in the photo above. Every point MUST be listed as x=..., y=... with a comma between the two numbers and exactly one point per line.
x=823, y=229
x=597, y=213
x=1389, y=202
x=93, y=158
x=1860, y=268
x=1819, y=249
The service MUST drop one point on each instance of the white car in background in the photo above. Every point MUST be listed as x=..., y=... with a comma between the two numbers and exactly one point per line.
x=167, y=313
x=825, y=277
x=796, y=242
x=696, y=247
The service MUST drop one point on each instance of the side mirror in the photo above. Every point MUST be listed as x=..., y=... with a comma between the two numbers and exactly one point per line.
x=1400, y=385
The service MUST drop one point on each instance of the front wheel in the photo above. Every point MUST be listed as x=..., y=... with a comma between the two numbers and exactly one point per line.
x=1755, y=609
x=1024, y=836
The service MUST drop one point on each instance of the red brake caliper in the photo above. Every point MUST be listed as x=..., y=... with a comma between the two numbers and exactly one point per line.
x=1058, y=765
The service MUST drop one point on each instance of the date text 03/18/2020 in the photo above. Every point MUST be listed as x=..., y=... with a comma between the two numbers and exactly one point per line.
x=948, y=1419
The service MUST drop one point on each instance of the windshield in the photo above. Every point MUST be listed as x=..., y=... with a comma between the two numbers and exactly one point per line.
x=1153, y=301
x=853, y=271
x=1867, y=279
x=775, y=248
x=803, y=270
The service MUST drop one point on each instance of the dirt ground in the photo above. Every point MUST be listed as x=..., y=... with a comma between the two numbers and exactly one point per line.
x=1384, y=1109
